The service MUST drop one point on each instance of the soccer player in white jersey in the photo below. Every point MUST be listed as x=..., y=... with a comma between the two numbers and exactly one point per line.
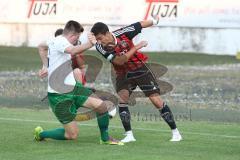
x=77, y=60
x=65, y=99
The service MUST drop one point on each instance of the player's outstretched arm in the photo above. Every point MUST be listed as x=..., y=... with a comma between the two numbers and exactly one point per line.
x=78, y=49
x=120, y=60
x=150, y=22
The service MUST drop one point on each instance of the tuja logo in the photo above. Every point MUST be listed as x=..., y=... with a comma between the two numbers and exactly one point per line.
x=42, y=7
x=162, y=8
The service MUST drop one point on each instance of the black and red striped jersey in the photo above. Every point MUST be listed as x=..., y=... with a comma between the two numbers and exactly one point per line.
x=124, y=38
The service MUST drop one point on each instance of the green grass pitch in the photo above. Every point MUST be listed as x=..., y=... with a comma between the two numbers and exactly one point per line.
x=202, y=140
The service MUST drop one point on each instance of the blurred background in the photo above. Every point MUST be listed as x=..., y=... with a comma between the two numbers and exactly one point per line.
x=197, y=41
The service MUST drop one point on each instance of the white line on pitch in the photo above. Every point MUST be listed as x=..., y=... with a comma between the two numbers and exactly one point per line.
x=118, y=127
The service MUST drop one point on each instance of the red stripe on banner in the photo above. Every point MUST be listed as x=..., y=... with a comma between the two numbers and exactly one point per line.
x=30, y=9
x=148, y=9
x=169, y=1
x=45, y=0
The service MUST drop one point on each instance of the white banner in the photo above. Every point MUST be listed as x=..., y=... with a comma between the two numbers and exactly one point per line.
x=117, y=12
x=179, y=13
x=196, y=13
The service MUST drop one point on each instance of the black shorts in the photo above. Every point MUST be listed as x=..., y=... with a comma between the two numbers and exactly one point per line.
x=142, y=77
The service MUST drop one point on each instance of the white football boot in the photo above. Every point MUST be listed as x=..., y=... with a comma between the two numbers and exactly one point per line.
x=176, y=136
x=128, y=137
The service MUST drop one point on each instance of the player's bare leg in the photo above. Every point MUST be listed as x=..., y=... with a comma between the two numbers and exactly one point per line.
x=78, y=75
x=167, y=115
x=125, y=115
x=71, y=130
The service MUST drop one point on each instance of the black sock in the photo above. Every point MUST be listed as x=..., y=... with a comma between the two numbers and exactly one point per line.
x=167, y=115
x=125, y=116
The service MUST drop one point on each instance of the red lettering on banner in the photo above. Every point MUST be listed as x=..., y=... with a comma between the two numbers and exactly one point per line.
x=42, y=7
x=163, y=8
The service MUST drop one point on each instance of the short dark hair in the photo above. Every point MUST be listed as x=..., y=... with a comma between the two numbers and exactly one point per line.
x=73, y=26
x=99, y=28
x=58, y=32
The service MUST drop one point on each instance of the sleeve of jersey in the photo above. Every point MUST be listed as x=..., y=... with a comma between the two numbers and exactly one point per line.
x=49, y=41
x=107, y=55
x=62, y=44
x=133, y=30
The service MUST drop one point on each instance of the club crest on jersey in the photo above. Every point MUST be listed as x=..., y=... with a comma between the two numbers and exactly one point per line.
x=124, y=44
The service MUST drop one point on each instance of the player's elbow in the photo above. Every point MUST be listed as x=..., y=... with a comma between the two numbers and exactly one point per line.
x=42, y=46
x=71, y=50
x=42, y=50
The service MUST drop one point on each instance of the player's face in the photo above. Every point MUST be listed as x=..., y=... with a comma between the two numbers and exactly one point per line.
x=106, y=40
x=74, y=38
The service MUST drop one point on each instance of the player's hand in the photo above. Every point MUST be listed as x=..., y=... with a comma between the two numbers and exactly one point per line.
x=141, y=45
x=155, y=19
x=43, y=72
x=92, y=38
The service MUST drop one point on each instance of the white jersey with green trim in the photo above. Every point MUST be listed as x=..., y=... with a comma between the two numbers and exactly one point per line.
x=57, y=57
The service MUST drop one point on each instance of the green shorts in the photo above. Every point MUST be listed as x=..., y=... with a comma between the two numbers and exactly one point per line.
x=65, y=106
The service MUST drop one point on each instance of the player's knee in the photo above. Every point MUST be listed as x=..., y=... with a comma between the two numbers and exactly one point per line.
x=102, y=108
x=77, y=74
x=105, y=106
x=156, y=100
x=123, y=96
x=124, y=99
x=72, y=135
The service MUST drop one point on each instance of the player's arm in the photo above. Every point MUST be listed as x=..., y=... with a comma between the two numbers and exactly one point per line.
x=150, y=22
x=78, y=49
x=134, y=29
x=112, y=57
x=120, y=60
x=43, y=51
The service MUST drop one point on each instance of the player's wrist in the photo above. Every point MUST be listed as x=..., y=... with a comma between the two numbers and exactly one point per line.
x=155, y=20
x=44, y=66
x=135, y=48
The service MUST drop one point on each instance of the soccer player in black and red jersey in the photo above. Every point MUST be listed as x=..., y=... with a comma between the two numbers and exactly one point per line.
x=131, y=70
